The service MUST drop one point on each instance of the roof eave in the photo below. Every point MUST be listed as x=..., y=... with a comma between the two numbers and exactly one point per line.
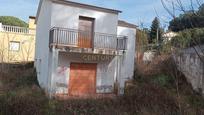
x=38, y=11
x=76, y=4
x=122, y=23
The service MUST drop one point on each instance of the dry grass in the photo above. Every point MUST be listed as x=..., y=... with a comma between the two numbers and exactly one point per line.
x=162, y=72
x=146, y=96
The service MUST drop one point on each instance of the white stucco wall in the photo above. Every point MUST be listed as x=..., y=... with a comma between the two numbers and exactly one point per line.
x=127, y=60
x=42, y=44
x=106, y=71
x=54, y=66
x=191, y=65
x=1, y=29
x=68, y=17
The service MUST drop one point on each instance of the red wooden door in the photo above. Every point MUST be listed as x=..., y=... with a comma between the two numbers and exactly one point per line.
x=85, y=32
x=82, y=79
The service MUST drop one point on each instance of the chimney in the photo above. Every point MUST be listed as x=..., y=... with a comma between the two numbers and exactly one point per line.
x=32, y=22
x=32, y=25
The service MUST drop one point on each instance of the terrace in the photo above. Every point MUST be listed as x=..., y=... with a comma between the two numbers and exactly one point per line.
x=93, y=42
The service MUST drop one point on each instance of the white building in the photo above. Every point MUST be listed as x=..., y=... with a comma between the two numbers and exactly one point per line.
x=82, y=49
x=168, y=36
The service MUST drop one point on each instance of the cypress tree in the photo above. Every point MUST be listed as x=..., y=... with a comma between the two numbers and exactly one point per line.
x=154, y=28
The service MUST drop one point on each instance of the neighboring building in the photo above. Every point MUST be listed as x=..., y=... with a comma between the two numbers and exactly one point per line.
x=17, y=44
x=82, y=50
x=168, y=36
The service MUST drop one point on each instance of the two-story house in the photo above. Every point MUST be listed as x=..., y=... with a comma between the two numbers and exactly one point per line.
x=83, y=50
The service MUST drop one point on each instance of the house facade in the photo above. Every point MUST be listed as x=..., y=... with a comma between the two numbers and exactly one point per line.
x=82, y=50
x=168, y=36
x=17, y=44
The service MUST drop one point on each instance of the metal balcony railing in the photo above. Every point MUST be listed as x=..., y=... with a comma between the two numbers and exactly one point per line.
x=84, y=39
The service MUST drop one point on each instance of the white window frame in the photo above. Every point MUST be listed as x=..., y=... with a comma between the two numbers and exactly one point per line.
x=14, y=46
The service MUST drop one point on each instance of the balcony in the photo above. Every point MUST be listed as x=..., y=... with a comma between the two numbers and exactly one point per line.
x=16, y=29
x=71, y=38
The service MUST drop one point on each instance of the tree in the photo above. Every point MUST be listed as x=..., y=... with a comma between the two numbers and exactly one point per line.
x=188, y=20
x=201, y=10
x=142, y=39
x=155, y=31
x=12, y=21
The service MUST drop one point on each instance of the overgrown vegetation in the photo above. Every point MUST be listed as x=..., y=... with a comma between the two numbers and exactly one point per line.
x=153, y=94
x=12, y=21
x=28, y=98
x=189, y=38
x=163, y=74
x=141, y=40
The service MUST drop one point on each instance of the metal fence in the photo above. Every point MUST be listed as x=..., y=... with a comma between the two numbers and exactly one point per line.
x=76, y=38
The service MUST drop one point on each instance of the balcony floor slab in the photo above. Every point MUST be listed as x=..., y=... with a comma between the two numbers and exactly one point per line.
x=89, y=50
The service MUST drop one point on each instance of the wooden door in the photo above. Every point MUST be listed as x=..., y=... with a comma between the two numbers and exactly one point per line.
x=82, y=79
x=86, y=26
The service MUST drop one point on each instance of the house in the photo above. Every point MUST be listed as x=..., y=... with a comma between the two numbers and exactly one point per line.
x=17, y=44
x=168, y=36
x=82, y=50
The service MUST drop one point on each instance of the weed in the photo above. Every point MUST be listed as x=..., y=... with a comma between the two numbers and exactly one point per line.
x=163, y=80
x=147, y=95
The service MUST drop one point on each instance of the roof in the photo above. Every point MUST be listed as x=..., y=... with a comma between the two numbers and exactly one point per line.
x=80, y=5
x=32, y=17
x=126, y=24
x=92, y=7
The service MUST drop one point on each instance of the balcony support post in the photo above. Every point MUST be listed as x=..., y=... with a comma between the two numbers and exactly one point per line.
x=54, y=65
x=93, y=39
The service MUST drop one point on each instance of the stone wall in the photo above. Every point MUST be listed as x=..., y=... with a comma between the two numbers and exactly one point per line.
x=192, y=66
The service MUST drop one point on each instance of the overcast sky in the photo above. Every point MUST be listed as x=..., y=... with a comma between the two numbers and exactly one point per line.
x=134, y=11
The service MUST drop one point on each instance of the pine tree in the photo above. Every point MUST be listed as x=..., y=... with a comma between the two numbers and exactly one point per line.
x=155, y=28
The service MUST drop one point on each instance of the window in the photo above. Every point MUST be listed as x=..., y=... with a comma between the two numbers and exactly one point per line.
x=14, y=46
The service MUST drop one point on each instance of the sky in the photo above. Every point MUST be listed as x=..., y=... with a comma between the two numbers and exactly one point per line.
x=134, y=11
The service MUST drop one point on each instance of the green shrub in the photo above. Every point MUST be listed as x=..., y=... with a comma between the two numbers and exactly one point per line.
x=163, y=80
x=188, y=38
x=166, y=48
x=196, y=101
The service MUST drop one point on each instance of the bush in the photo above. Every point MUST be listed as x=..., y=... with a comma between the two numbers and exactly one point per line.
x=163, y=80
x=150, y=98
x=20, y=78
x=196, y=101
x=188, y=38
x=12, y=21
x=23, y=102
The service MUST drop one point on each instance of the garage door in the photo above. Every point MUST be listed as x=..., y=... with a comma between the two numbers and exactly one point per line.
x=82, y=79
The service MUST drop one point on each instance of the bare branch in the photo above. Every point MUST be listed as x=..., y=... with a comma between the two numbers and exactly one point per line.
x=167, y=9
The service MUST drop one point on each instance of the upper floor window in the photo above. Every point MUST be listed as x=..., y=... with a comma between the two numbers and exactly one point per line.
x=14, y=46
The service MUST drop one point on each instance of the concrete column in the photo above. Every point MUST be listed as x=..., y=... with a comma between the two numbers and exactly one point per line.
x=53, y=68
x=120, y=78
